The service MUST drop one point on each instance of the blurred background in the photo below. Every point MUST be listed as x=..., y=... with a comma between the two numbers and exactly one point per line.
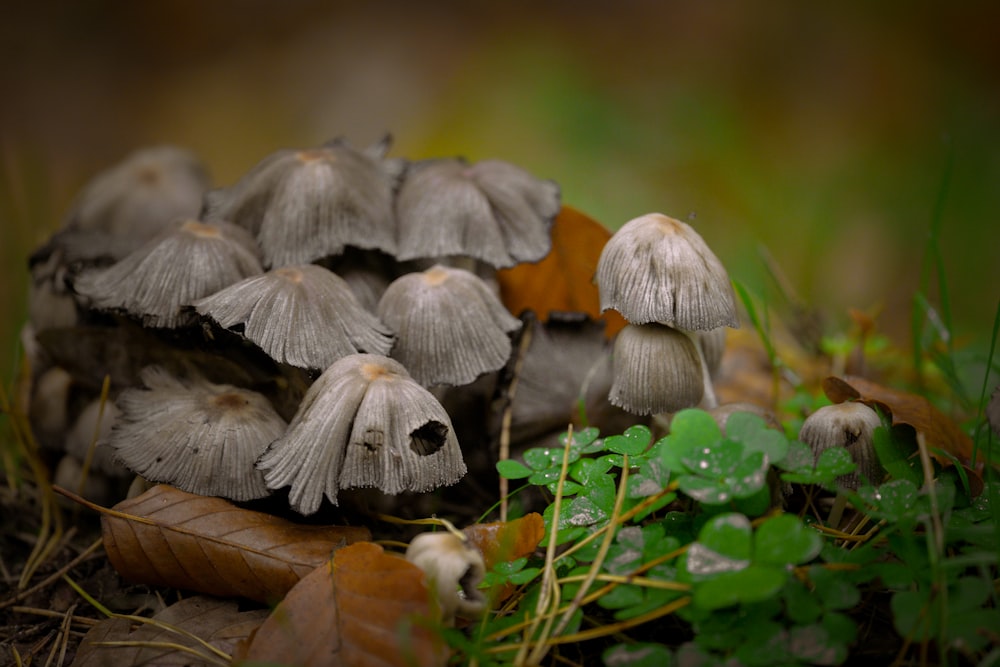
x=822, y=134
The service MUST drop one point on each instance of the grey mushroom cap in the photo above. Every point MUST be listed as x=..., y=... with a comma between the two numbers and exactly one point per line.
x=656, y=369
x=132, y=201
x=450, y=327
x=364, y=423
x=658, y=269
x=303, y=205
x=304, y=316
x=491, y=210
x=184, y=263
x=850, y=425
x=198, y=436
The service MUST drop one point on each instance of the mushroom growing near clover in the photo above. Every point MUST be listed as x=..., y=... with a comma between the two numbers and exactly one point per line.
x=660, y=275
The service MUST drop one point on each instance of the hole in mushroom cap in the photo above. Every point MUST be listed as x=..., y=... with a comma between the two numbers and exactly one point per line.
x=201, y=229
x=428, y=438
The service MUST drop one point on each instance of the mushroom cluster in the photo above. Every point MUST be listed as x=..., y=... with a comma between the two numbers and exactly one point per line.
x=297, y=329
x=676, y=296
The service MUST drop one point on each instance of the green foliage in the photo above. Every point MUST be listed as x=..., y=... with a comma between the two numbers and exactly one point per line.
x=679, y=538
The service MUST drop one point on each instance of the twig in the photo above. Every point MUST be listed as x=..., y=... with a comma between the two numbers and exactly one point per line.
x=54, y=576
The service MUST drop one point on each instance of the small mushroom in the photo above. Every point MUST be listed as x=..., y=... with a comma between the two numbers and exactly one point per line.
x=656, y=369
x=305, y=316
x=198, y=436
x=492, y=211
x=453, y=568
x=184, y=263
x=851, y=425
x=364, y=423
x=303, y=205
x=658, y=269
x=92, y=428
x=450, y=327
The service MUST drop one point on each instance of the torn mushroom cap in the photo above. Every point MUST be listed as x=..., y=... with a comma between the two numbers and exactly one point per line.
x=491, y=210
x=656, y=369
x=303, y=205
x=657, y=269
x=450, y=328
x=305, y=316
x=454, y=569
x=184, y=263
x=851, y=425
x=200, y=437
x=364, y=423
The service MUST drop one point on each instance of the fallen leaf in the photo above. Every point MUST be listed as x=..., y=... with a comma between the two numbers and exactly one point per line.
x=502, y=541
x=563, y=280
x=905, y=408
x=217, y=622
x=362, y=608
x=168, y=537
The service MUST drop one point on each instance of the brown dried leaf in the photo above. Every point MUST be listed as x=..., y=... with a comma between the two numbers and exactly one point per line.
x=905, y=408
x=506, y=541
x=168, y=537
x=217, y=622
x=563, y=280
x=362, y=608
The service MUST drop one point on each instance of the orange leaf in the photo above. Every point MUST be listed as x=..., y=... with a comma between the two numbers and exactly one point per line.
x=906, y=408
x=168, y=537
x=506, y=541
x=563, y=280
x=362, y=608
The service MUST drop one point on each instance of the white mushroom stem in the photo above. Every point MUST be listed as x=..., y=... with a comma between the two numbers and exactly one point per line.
x=708, y=401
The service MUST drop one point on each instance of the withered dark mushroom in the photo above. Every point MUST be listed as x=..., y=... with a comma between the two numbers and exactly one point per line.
x=450, y=327
x=198, y=436
x=364, y=423
x=304, y=316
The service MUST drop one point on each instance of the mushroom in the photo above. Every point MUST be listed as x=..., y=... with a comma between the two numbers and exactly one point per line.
x=126, y=205
x=492, y=211
x=303, y=205
x=92, y=428
x=656, y=369
x=658, y=269
x=364, y=423
x=453, y=568
x=305, y=316
x=850, y=425
x=198, y=436
x=450, y=327
x=116, y=212
x=185, y=262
